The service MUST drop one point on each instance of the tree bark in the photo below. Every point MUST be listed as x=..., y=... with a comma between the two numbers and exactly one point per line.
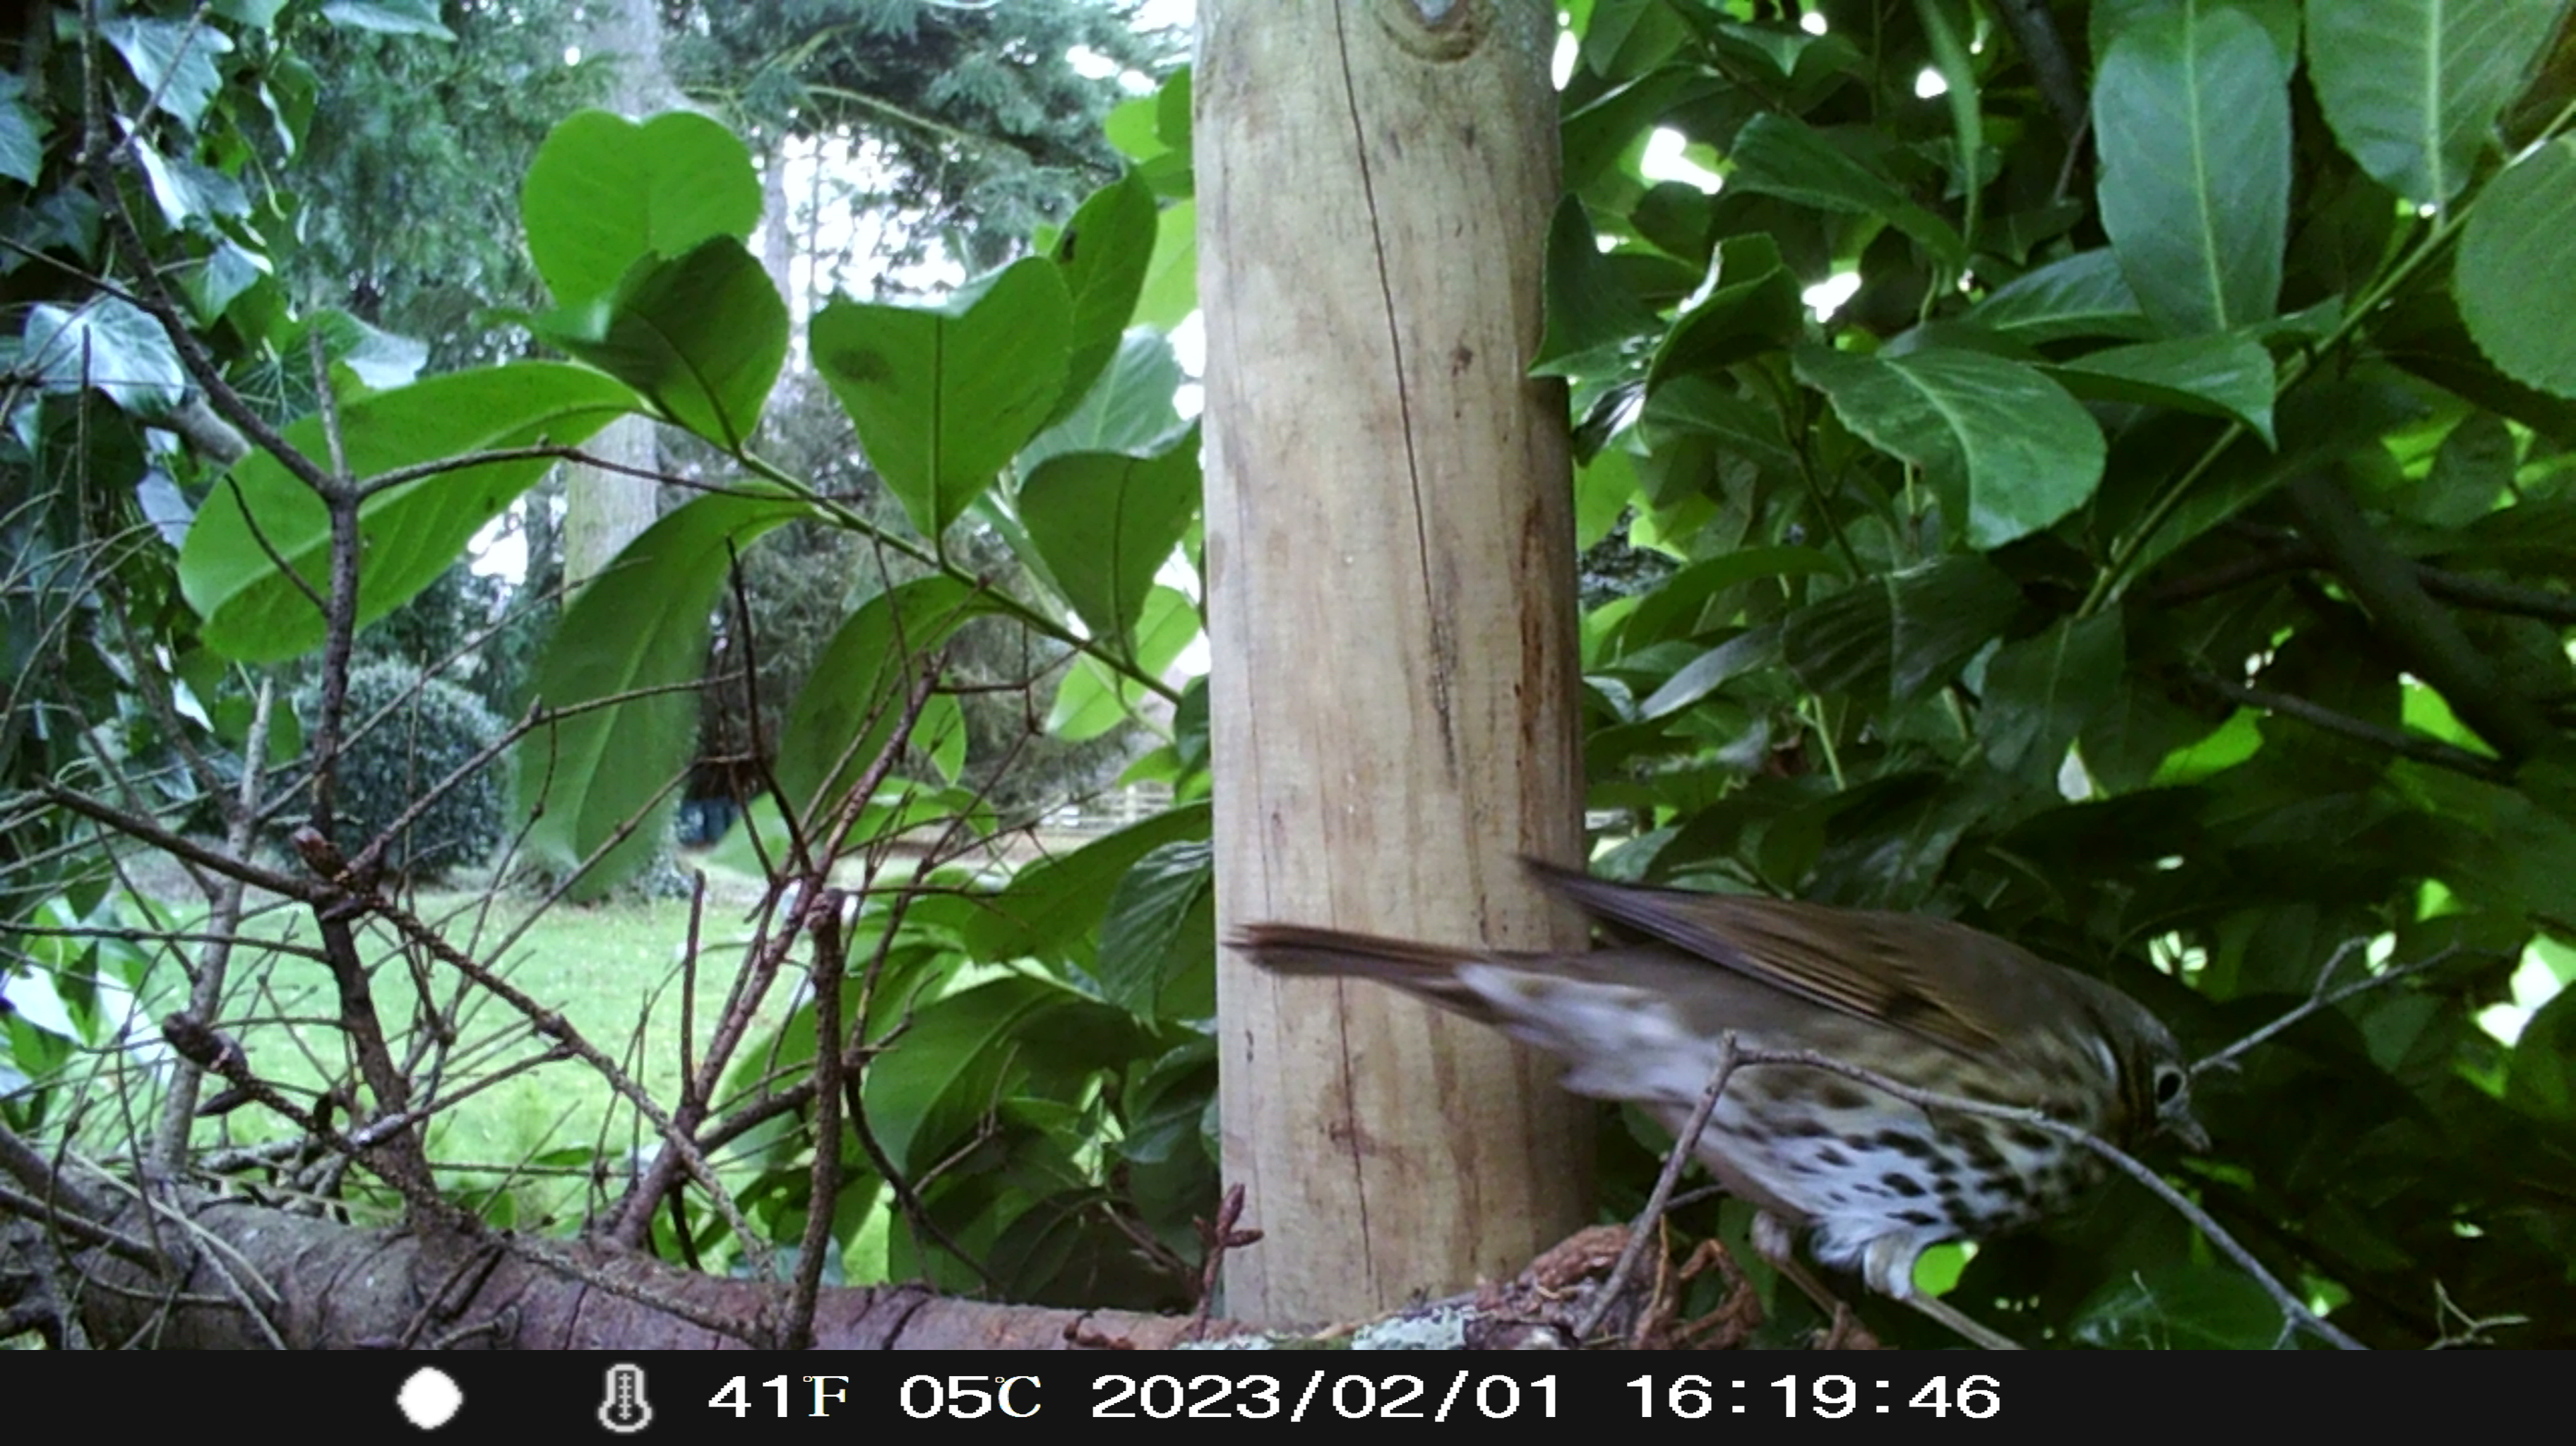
x=1390, y=563
x=265, y=1278
x=604, y=508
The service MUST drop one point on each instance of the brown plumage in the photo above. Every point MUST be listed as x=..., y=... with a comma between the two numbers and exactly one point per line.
x=1931, y=1004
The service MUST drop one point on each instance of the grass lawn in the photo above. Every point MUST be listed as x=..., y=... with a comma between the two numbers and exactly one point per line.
x=612, y=970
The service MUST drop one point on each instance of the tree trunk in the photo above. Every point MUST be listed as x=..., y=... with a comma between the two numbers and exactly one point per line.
x=604, y=508
x=1390, y=560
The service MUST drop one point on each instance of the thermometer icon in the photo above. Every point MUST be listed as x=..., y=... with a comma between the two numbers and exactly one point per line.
x=624, y=1411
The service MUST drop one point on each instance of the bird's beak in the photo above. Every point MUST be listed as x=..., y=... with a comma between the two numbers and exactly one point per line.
x=2188, y=1130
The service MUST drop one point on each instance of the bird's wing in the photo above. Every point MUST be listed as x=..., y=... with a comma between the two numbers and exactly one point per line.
x=1939, y=981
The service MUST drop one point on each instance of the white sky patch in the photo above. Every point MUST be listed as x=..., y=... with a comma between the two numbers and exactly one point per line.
x=1561, y=68
x=501, y=548
x=1827, y=296
x=1813, y=22
x=2534, y=984
x=1929, y=84
x=1666, y=160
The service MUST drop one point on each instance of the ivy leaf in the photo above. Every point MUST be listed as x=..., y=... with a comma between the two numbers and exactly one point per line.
x=172, y=59
x=388, y=17
x=108, y=344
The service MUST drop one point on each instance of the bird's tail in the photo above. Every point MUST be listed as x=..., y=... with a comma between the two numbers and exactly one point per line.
x=1428, y=972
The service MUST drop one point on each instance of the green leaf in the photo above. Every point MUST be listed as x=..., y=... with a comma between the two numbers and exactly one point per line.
x=2042, y=691
x=2191, y=110
x=1129, y=409
x=604, y=193
x=388, y=17
x=109, y=344
x=1678, y=606
x=1105, y=252
x=1172, y=279
x=1710, y=407
x=1107, y=523
x=2520, y=245
x=1597, y=328
x=186, y=192
x=1051, y=907
x=172, y=59
x=1129, y=127
x=2470, y=474
x=2223, y=376
x=851, y=701
x=227, y=273
x=2007, y=451
x=1748, y=305
x=2543, y=1077
x=1598, y=131
x=2134, y=733
x=411, y=533
x=2319, y=422
x=377, y=358
x=2279, y=20
x=2085, y=294
x=257, y=14
x=1712, y=670
x=2180, y=1307
x=2215, y=751
x=1095, y=698
x=639, y=625
x=701, y=337
x=960, y=1056
x=1602, y=489
x=944, y=396
x=22, y=136
x=1158, y=941
x=1887, y=638
x=2412, y=87
x=1778, y=156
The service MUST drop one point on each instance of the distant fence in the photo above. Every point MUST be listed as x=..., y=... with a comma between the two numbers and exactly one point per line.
x=1111, y=811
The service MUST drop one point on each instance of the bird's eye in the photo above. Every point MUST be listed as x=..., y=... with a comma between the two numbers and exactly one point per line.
x=2169, y=1081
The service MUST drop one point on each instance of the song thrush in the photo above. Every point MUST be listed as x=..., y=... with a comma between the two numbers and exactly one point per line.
x=1924, y=1002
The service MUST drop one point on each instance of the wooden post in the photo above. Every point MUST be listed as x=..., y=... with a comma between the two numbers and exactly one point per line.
x=1391, y=579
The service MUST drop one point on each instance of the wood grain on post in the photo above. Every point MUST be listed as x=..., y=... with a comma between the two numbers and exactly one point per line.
x=1390, y=563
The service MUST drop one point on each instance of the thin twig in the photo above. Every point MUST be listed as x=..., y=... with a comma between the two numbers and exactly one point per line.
x=1684, y=1145
x=2321, y=999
